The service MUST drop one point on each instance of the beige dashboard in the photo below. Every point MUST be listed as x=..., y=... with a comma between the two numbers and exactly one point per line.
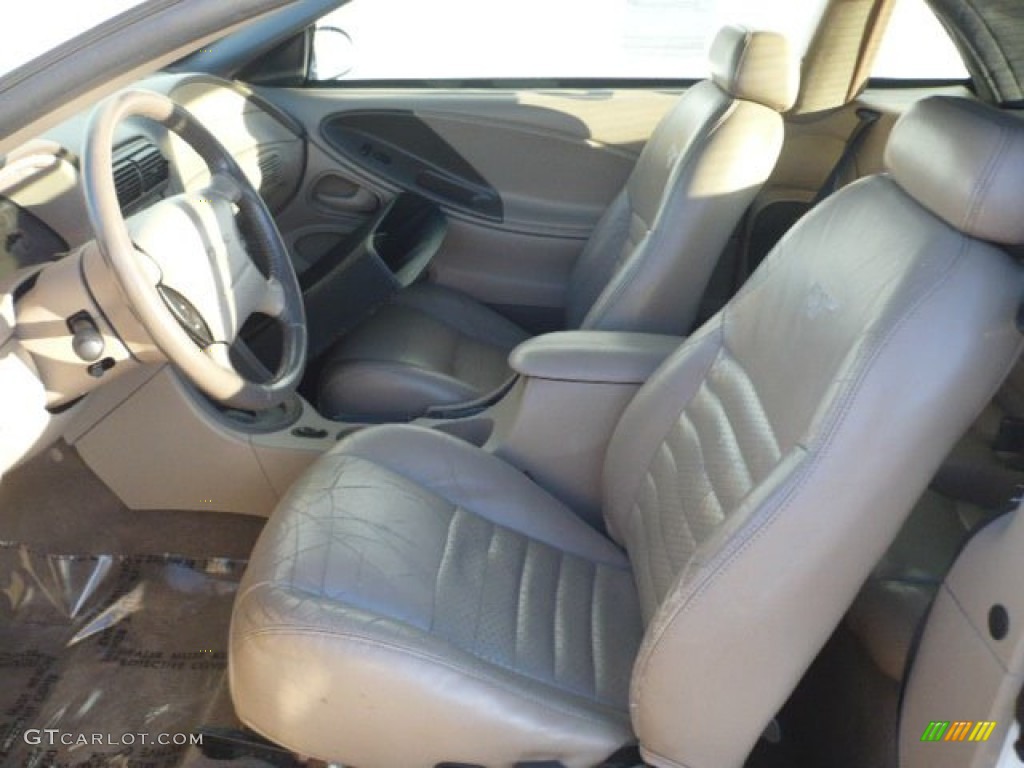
x=45, y=237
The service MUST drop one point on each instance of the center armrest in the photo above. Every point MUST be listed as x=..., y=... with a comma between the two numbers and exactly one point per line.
x=611, y=357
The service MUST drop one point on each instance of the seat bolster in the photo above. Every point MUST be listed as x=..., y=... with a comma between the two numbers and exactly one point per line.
x=456, y=310
x=450, y=705
x=386, y=390
x=468, y=477
x=646, y=421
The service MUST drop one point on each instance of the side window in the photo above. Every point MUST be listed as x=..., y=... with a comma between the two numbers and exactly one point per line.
x=917, y=47
x=455, y=40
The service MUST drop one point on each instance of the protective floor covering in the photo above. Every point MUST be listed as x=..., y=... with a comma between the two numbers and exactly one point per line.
x=99, y=646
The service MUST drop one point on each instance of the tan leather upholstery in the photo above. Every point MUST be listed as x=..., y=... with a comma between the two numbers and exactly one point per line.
x=888, y=611
x=473, y=623
x=430, y=346
x=975, y=187
x=750, y=66
x=411, y=585
x=644, y=268
x=611, y=357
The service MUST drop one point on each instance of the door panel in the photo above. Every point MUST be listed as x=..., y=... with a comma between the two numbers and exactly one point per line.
x=402, y=149
x=522, y=175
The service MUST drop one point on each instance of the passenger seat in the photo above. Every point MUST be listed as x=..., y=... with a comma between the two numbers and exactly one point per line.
x=644, y=268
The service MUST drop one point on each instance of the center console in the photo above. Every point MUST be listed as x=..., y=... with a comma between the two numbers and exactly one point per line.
x=159, y=445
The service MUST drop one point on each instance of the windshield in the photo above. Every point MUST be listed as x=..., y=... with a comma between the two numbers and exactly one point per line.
x=39, y=25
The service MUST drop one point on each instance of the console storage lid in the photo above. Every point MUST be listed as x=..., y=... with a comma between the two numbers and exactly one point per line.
x=611, y=357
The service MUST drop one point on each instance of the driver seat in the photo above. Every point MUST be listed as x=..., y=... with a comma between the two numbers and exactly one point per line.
x=416, y=600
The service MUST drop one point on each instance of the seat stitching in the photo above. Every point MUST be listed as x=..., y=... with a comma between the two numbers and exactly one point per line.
x=519, y=599
x=745, y=463
x=556, y=624
x=743, y=540
x=652, y=540
x=985, y=182
x=700, y=455
x=636, y=519
x=669, y=559
x=433, y=491
x=762, y=412
x=482, y=583
x=633, y=519
x=445, y=551
x=594, y=678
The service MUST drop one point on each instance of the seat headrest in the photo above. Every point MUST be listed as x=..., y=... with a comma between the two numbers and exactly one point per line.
x=755, y=66
x=964, y=162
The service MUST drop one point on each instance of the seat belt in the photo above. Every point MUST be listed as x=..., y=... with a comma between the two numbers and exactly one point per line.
x=867, y=117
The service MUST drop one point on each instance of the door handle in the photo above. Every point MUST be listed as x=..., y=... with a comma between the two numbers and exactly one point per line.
x=337, y=193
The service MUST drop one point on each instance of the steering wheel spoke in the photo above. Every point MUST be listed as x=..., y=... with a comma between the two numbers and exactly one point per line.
x=275, y=300
x=223, y=186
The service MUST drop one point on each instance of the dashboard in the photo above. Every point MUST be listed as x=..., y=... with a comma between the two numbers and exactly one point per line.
x=44, y=221
x=43, y=215
x=25, y=240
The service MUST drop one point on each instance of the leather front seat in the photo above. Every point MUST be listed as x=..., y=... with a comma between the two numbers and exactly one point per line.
x=644, y=268
x=415, y=599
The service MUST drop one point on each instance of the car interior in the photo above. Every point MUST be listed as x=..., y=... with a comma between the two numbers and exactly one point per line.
x=418, y=419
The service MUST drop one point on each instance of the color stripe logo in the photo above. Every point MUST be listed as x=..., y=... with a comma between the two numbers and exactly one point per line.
x=958, y=730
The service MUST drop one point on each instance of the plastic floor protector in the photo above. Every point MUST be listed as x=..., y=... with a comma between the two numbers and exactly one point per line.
x=108, y=661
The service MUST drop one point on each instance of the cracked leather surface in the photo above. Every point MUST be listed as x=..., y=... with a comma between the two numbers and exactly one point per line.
x=515, y=596
x=753, y=482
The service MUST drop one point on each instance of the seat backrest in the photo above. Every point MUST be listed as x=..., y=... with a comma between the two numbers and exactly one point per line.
x=764, y=468
x=651, y=254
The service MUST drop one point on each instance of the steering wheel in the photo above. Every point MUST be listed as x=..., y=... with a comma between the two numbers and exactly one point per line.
x=185, y=269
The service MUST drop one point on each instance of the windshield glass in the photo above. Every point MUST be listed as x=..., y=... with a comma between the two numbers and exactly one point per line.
x=36, y=26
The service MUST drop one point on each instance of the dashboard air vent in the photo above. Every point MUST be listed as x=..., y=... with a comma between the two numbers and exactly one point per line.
x=139, y=170
x=270, y=171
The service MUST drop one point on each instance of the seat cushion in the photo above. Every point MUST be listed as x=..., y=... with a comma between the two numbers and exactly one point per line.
x=429, y=346
x=413, y=582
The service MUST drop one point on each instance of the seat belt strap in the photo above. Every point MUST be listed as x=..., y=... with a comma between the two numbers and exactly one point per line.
x=866, y=118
